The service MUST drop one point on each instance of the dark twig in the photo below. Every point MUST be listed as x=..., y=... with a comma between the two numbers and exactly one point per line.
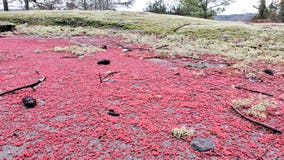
x=138, y=48
x=131, y=49
x=181, y=26
x=256, y=122
x=69, y=57
x=164, y=46
x=27, y=86
x=141, y=49
x=102, y=79
x=267, y=94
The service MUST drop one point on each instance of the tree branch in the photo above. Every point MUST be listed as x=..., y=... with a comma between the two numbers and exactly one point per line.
x=223, y=3
x=27, y=86
x=103, y=79
x=256, y=122
x=163, y=46
x=267, y=94
x=131, y=49
x=217, y=5
x=181, y=26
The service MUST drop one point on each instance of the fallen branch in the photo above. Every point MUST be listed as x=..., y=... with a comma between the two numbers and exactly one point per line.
x=267, y=94
x=69, y=57
x=27, y=86
x=256, y=122
x=103, y=79
x=164, y=46
x=140, y=48
x=131, y=49
x=179, y=27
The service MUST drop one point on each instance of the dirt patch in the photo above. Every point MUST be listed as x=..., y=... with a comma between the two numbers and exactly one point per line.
x=71, y=120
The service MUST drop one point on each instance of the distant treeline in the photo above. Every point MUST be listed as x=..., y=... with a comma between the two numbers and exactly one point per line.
x=69, y=4
x=274, y=12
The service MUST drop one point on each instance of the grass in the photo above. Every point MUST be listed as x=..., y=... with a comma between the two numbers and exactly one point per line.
x=244, y=41
x=259, y=110
x=256, y=107
x=78, y=50
x=182, y=132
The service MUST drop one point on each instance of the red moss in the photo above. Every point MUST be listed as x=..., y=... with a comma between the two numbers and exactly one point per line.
x=71, y=120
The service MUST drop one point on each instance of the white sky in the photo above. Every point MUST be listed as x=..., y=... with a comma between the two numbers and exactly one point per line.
x=238, y=7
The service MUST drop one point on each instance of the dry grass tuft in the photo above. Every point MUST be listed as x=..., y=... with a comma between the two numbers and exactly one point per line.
x=78, y=50
x=256, y=107
x=182, y=132
x=259, y=110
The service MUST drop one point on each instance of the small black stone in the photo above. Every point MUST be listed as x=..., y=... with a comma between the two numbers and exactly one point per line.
x=268, y=71
x=112, y=113
x=29, y=102
x=104, y=47
x=7, y=26
x=202, y=144
x=15, y=135
x=104, y=62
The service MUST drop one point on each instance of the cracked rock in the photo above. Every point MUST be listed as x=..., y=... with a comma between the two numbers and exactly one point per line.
x=202, y=144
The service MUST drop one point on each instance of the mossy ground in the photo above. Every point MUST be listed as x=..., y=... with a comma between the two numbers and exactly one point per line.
x=243, y=41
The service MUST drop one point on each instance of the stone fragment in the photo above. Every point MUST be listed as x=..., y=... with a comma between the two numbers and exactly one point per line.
x=269, y=72
x=103, y=62
x=112, y=113
x=29, y=102
x=202, y=144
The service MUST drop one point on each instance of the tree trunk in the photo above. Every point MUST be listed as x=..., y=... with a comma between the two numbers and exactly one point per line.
x=27, y=7
x=85, y=5
x=281, y=12
x=5, y=5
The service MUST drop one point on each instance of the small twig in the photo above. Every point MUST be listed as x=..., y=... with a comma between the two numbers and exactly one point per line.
x=164, y=46
x=109, y=74
x=102, y=79
x=27, y=86
x=179, y=27
x=267, y=94
x=69, y=57
x=130, y=48
x=256, y=122
x=138, y=48
x=143, y=49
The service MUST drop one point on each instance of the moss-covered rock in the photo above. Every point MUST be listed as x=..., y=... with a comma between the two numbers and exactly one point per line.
x=6, y=26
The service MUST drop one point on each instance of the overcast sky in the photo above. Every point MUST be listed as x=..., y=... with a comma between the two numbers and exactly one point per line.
x=238, y=7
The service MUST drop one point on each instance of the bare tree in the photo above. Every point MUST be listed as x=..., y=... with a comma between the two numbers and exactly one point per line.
x=5, y=5
x=27, y=7
x=47, y=4
x=281, y=11
x=97, y=4
x=110, y=4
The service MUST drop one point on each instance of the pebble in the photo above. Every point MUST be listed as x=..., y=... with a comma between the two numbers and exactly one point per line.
x=202, y=144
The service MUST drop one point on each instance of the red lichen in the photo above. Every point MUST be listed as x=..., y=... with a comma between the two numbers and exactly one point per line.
x=71, y=120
